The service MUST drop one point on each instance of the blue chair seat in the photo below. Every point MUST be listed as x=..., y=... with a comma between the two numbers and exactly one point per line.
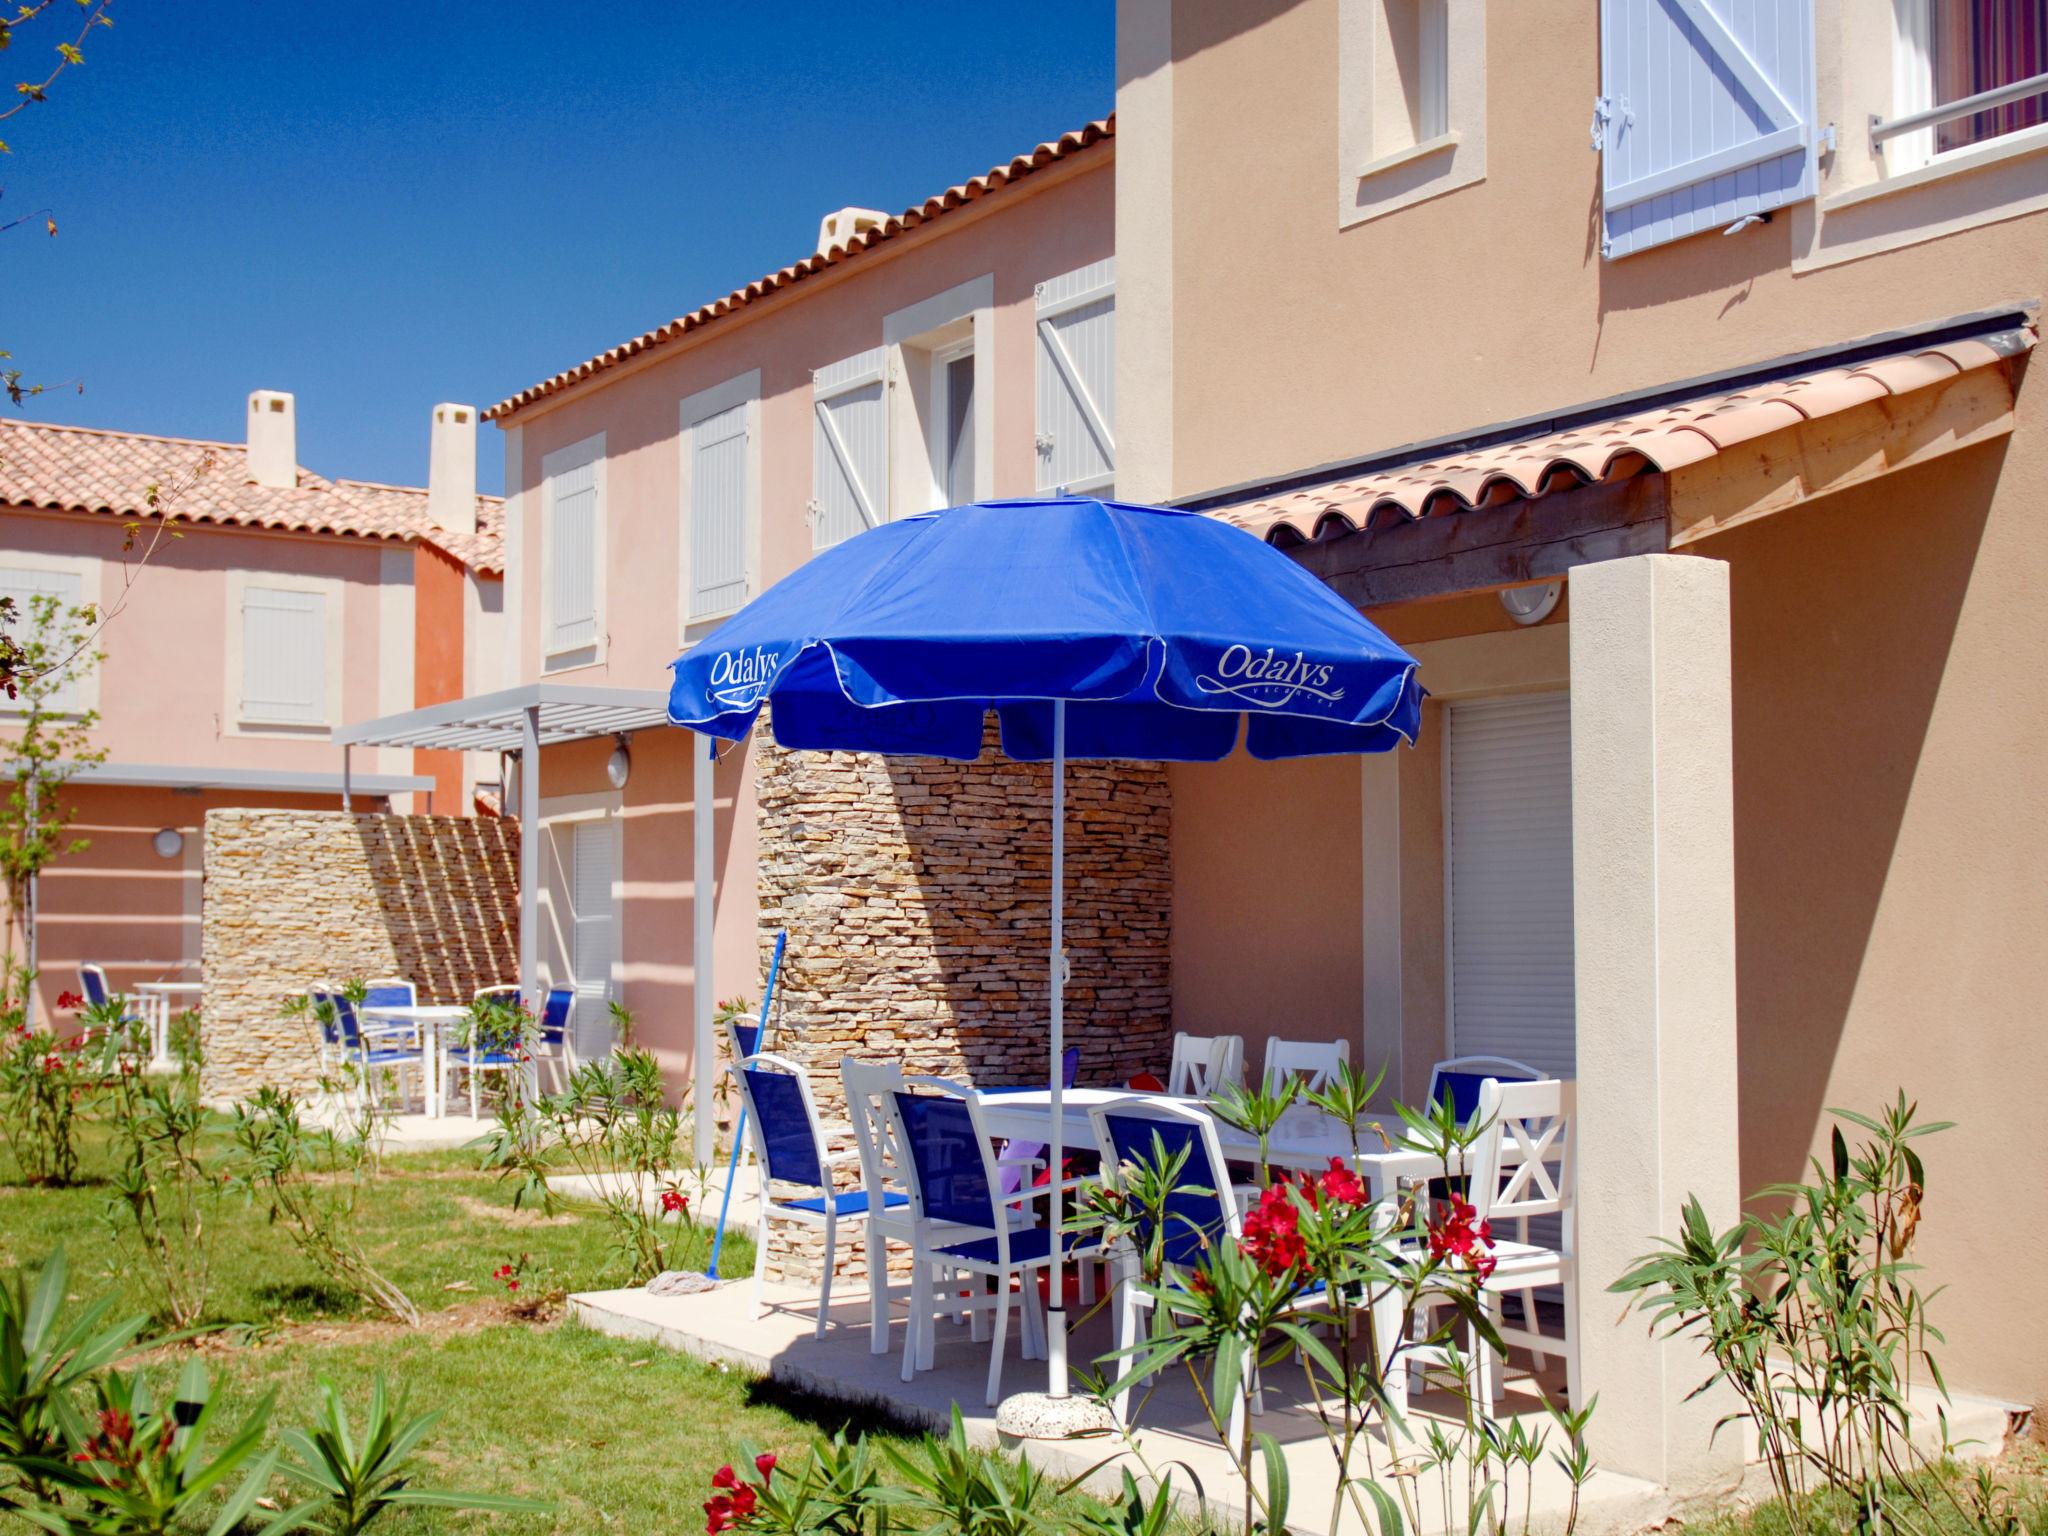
x=1027, y=1246
x=377, y=1058
x=852, y=1202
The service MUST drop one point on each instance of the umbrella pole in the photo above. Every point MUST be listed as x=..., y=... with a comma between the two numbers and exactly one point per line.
x=1056, y=1319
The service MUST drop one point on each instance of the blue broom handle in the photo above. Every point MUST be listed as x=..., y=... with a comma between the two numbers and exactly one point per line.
x=739, y=1133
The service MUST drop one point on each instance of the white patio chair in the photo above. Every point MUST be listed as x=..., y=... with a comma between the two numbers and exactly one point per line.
x=1525, y=1166
x=954, y=1184
x=789, y=1148
x=1315, y=1062
x=1203, y=1063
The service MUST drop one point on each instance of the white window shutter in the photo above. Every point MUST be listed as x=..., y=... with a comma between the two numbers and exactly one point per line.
x=1508, y=866
x=572, y=558
x=718, y=512
x=594, y=852
x=1077, y=379
x=25, y=585
x=849, y=449
x=1705, y=115
x=284, y=656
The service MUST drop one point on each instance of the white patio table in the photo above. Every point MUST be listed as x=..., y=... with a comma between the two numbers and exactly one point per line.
x=427, y=1018
x=1304, y=1141
x=156, y=1015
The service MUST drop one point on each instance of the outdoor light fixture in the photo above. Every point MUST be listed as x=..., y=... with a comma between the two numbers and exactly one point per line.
x=168, y=843
x=619, y=766
x=1531, y=605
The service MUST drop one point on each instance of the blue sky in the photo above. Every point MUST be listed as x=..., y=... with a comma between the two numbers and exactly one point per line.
x=381, y=207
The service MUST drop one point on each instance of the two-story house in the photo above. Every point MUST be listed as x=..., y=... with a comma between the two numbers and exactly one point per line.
x=1696, y=462
x=255, y=608
x=960, y=350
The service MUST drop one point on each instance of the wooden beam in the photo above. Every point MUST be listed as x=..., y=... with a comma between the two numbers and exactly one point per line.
x=1492, y=547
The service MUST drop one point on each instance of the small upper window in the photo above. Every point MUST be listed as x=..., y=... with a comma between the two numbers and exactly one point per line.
x=1412, y=62
x=1965, y=72
x=953, y=449
x=1411, y=102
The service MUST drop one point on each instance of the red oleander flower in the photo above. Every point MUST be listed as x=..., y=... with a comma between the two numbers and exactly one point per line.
x=1343, y=1185
x=1272, y=1232
x=744, y=1498
x=1454, y=1238
x=725, y=1477
x=674, y=1200
x=719, y=1516
x=51, y=1062
x=70, y=1001
x=765, y=1465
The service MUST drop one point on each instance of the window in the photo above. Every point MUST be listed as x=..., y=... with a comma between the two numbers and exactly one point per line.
x=1077, y=380
x=719, y=482
x=69, y=585
x=573, y=538
x=953, y=425
x=284, y=656
x=849, y=448
x=1950, y=51
x=1411, y=102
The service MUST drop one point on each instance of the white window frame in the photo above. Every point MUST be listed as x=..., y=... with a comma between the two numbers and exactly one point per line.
x=1378, y=178
x=333, y=593
x=743, y=389
x=591, y=450
x=88, y=571
x=1913, y=91
x=911, y=339
x=560, y=816
x=942, y=414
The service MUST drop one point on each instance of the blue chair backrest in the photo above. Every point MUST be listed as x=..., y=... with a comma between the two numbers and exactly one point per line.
x=327, y=1014
x=345, y=1020
x=554, y=1016
x=789, y=1144
x=947, y=1159
x=1194, y=1211
x=391, y=995
x=1461, y=1090
x=747, y=1037
x=94, y=980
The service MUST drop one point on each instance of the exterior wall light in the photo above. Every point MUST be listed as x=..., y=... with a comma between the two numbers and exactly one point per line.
x=1531, y=605
x=619, y=766
x=168, y=843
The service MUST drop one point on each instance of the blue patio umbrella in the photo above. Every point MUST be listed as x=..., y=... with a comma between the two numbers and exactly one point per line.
x=1093, y=630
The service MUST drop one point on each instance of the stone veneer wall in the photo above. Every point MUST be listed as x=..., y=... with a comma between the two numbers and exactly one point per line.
x=298, y=897
x=916, y=895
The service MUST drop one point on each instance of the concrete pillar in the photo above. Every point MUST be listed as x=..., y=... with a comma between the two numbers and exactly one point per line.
x=1653, y=907
x=1144, y=247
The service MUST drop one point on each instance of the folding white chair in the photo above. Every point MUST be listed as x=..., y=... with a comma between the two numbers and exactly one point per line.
x=1315, y=1062
x=1203, y=1063
x=1524, y=1166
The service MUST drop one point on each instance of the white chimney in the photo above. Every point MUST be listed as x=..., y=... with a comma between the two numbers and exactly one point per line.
x=841, y=227
x=273, y=439
x=451, y=469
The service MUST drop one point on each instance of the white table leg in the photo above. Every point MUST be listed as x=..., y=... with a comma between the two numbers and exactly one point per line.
x=433, y=1098
x=1386, y=1308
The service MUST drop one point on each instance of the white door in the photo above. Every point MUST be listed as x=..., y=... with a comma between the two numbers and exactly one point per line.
x=593, y=934
x=1508, y=878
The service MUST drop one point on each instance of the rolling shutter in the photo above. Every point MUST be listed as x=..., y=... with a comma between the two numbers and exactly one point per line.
x=572, y=558
x=718, y=512
x=1508, y=869
x=284, y=656
x=25, y=585
x=1077, y=379
x=1705, y=115
x=593, y=943
x=849, y=449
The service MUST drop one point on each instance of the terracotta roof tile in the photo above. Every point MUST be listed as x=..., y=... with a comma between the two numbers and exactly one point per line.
x=1659, y=439
x=993, y=180
x=85, y=469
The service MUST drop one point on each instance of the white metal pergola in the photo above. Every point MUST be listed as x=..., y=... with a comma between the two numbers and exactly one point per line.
x=515, y=722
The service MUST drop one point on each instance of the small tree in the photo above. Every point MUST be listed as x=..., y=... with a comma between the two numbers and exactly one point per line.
x=51, y=742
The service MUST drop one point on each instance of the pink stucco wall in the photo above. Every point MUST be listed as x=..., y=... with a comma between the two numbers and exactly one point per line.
x=1057, y=221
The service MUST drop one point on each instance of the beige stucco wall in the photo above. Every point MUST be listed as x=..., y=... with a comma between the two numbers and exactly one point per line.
x=1891, y=856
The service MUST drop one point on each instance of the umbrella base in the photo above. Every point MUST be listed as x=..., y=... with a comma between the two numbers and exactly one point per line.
x=1039, y=1416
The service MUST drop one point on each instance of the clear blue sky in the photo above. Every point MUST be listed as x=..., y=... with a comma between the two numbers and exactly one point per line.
x=381, y=207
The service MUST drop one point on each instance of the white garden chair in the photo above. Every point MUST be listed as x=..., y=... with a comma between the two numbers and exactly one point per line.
x=1203, y=1063
x=1315, y=1062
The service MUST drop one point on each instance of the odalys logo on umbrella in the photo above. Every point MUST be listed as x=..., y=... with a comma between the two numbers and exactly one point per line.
x=1268, y=679
x=742, y=678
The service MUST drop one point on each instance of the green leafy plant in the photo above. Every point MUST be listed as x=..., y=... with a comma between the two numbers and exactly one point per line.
x=357, y=1475
x=45, y=1082
x=1813, y=1318
x=165, y=1191
x=311, y=1180
x=45, y=1360
x=147, y=1469
x=613, y=1127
